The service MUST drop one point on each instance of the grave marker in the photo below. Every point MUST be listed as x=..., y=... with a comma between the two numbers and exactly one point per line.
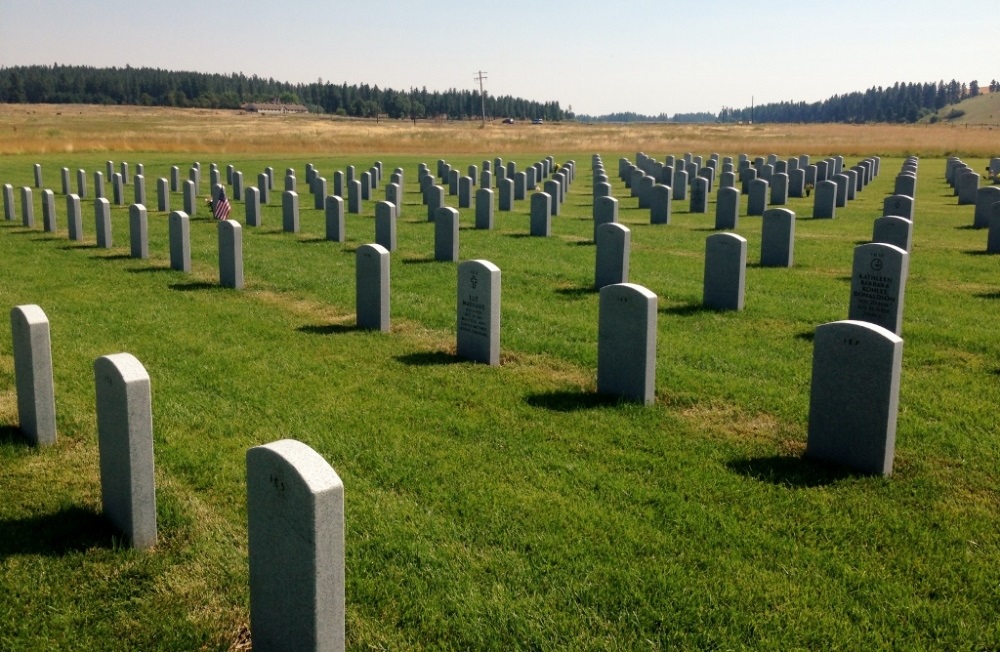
x=102, y=216
x=725, y=271
x=612, y=257
x=385, y=225
x=541, y=214
x=290, y=211
x=74, y=218
x=372, y=283
x=777, y=239
x=125, y=442
x=626, y=343
x=230, y=254
x=878, y=285
x=484, y=208
x=478, y=312
x=138, y=231
x=854, y=397
x=32, y=350
x=295, y=528
x=446, y=234
x=180, y=241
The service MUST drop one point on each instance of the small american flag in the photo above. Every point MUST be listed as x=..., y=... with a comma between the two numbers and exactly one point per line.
x=222, y=206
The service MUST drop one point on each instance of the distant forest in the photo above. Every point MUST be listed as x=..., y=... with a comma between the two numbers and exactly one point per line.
x=901, y=102
x=897, y=103
x=58, y=84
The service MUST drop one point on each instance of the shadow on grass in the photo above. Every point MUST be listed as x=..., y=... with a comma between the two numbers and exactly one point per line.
x=420, y=261
x=112, y=257
x=194, y=286
x=327, y=329
x=577, y=291
x=583, y=243
x=429, y=358
x=969, y=227
x=521, y=235
x=987, y=295
x=858, y=243
x=12, y=435
x=71, y=529
x=789, y=471
x=845, y=279
x=313, y=240
x=808, y=336
x=47, y=238
x=978, y=252
x=686, y=310
x=79, y=245
x=145, y=270
x=571, y=401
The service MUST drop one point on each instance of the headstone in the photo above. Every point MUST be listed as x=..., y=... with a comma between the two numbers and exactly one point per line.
x=290, y=211
x=140, y=189
x=777, y=238
x=725, y=271
x=290, y=183
x=65, y=181
x=699, y=195
x=612, y=257
x=605, y=212
x=680, y=185
x=797, y=183
x=372, y=283
x=541, y=214
x=757, y=197
x=453, y=178
x=138, y=231
x=49, y=211
x=530, y=174
x=394, y=195
x=484, y=208
x=727, y=208
x=81, y=183
x=98, y=184
x=238, y=186
x=74, y=218
x=32, y=349
x=899, y=205
x=746, y=176
x=175, y=179
x=505, y=192
x=478, y=312
x=854, y=398
x=8, y=202
x=354, y=196
x=162, y=195
x=263, y=189
x=906, y=184
x=125, y=176
x=180, y=241
x=295, y=528
x=102, y=216
x=779, y=189
x=446, y=235
x=252, y=206
x=366, y=185
x=189, y=199
x=38, y=175
x=27, y=208
x=993, y=236
x=660, y=204
x=125, y=443
x=465, y=192
x=825, y=200
x=966, y=186
x=520, y=186
x=893, y=230
x=841, y=180
x=626, y=342
x=385, y=225
x=985, y=198
x=551, y=188
x=878, y=285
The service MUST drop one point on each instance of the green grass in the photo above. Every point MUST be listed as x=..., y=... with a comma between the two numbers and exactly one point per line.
x=509, y=508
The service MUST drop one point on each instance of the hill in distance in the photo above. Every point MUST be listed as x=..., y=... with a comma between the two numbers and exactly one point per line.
x=980, y=110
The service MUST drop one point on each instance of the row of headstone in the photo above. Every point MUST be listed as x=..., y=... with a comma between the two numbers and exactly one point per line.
x=124, y=422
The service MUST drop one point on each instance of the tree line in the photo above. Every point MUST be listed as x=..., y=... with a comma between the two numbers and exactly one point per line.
x=61, y=84
x=901, y=102
x=629, y=116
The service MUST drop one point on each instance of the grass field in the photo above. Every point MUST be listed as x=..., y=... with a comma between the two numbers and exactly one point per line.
x=505, y=508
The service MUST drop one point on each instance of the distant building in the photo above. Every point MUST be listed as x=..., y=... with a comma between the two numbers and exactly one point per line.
x=274, y=108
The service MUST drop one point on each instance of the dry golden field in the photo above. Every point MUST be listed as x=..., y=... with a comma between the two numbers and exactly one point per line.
x=28, y=129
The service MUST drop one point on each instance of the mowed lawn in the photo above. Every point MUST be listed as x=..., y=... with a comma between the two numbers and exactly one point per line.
x=507, y=508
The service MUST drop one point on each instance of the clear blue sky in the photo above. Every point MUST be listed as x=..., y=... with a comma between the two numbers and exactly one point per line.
x=647, y=56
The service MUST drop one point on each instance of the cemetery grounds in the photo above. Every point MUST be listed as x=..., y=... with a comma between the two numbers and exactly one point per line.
x=502, y=507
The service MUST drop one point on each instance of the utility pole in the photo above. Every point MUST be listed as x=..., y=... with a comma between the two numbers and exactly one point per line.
x=480, y=77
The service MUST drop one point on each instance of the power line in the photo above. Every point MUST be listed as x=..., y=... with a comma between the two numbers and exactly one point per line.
x=480, y=77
